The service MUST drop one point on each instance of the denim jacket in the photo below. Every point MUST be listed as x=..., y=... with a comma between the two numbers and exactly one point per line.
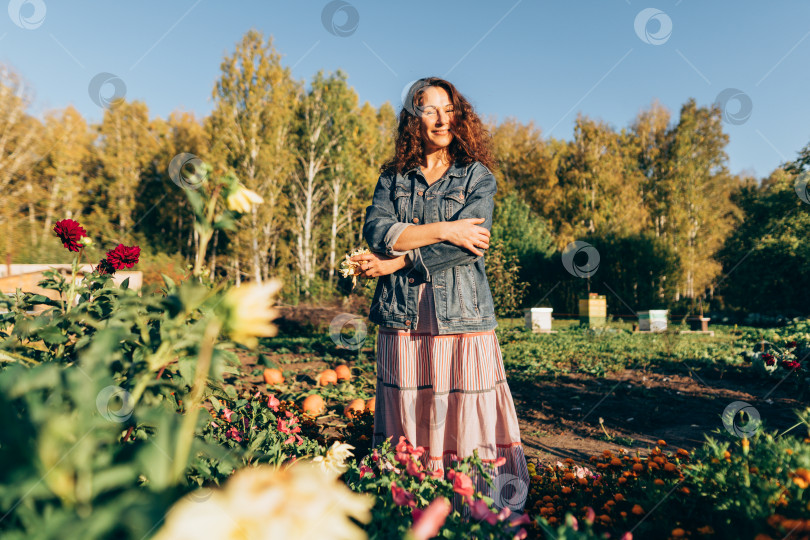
x=461, y=291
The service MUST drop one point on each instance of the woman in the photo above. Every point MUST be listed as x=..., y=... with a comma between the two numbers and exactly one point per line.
x=440, y=376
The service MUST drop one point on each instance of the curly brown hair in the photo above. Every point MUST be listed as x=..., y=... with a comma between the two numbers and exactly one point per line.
x=471, y=141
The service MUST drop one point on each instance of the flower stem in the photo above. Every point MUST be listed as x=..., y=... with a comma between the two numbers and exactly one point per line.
x=187, y=428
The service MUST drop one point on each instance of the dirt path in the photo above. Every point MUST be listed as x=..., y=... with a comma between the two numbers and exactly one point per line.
x=559, y=418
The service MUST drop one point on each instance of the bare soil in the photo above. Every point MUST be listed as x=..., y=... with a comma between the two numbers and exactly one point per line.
x=559, y=418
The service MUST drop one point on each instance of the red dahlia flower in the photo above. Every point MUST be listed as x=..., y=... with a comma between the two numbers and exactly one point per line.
x=123, y=256
x=70, y=232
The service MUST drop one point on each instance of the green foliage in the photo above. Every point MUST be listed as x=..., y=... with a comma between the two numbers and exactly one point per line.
x=767, y=256
x=583, y=350
x=502, y=274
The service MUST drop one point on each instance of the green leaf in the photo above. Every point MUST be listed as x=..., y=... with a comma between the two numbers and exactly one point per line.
x=52, y=335
x=125, y=284
x=167, y=280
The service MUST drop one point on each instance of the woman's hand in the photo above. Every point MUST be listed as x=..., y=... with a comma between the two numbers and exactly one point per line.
x=376, y=265
x=464, y=233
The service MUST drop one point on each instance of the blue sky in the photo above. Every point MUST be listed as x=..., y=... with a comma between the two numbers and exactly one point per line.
x=532, y=60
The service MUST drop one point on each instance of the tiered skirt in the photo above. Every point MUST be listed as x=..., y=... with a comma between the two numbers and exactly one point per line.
x=448, y=394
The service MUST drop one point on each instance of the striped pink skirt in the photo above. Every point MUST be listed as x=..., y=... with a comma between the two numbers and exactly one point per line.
x=448, y=394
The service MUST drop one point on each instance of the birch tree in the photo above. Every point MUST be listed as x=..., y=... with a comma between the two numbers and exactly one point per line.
x=250, y=134
x=67, y=141
x=127, y=144
x=324, y=124
x=19, y=134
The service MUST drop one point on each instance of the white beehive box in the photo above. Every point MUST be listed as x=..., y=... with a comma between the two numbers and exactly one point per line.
x=538, y=319
x=653, y=320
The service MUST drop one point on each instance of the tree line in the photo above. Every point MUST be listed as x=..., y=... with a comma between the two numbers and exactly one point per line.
x=670, y=223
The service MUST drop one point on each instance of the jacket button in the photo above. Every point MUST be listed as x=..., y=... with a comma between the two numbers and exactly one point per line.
x=416, y=220
x=461, y=196
x=420, y=193
x=408, y=323
x=410, y=280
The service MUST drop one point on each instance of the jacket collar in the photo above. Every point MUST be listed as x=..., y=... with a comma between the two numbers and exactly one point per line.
x=456, y=169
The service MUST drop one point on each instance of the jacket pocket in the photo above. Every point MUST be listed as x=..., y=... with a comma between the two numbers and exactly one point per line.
x=402, y=199
x=454, y=200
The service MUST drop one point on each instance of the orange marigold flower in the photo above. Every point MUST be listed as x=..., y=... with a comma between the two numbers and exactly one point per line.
x=659, y=460
x=658, y=482
x=622, y=480
x=789, y=451
x=569, y=476
x=669, y=467
x=619, y=497
x=623, y=514
x=685, y=490
x=637, y=509
x=706, y=530
x=582, y=481
x=804, y=473
x=661, y=442
x=682, y=452
x=616, y=462
x=726, y=454
x=653, y=465
x=607, y=453
x=677, y=532
x=638, y=467
x=605, y=518
x=715, y=460
x=566, y=490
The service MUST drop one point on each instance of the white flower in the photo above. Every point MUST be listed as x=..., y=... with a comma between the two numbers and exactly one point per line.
x=250, y=312
x=334, y=462
x=243, y=200
x=264, y=503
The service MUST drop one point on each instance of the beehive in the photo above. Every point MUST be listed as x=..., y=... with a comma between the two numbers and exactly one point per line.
x=593, y=310
x=538, y=319
x=653, y=320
